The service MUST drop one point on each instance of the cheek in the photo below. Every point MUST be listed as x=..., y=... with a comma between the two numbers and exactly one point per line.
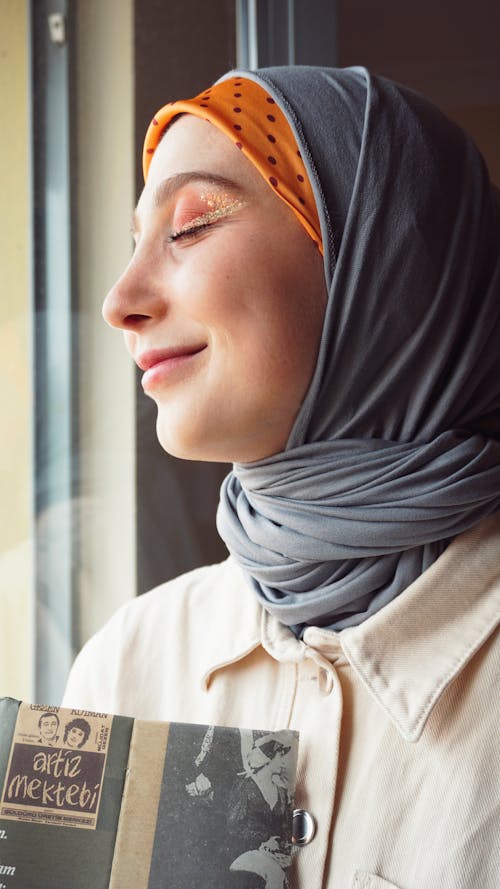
x=265, y=315
x=217, y=291
x=287, y=306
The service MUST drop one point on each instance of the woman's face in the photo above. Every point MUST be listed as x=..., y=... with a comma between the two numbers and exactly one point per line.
x=75, y=737
x=222, y=303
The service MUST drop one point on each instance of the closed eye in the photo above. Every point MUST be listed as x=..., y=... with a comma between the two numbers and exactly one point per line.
x=201, y=223
x=187, y=233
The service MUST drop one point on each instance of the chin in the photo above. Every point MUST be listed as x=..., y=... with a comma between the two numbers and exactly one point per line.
x=212, y=442
x=176, y=448
x=186, y=444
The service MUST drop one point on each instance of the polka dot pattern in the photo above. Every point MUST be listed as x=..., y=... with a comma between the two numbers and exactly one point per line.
x=242, y=108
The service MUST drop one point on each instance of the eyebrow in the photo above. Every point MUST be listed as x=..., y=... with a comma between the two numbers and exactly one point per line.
x=168, y=188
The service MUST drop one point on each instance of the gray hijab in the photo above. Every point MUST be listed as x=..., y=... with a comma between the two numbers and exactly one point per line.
x=396, y=448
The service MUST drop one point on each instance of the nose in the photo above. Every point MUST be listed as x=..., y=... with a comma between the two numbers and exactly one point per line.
x=136, y=299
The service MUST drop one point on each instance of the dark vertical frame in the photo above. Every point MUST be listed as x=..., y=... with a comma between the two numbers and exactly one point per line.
x=315, y=32
x=287, y=32
x=55, y=346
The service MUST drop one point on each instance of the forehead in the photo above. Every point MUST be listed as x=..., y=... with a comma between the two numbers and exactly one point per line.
x=192, y=144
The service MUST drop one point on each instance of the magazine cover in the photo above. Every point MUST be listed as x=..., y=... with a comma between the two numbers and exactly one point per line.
x=90, y=800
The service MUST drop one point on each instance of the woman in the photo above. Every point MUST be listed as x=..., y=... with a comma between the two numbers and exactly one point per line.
x=76, y=733
x=358, y=396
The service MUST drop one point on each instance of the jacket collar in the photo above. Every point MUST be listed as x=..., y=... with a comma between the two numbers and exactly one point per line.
x=407, y=653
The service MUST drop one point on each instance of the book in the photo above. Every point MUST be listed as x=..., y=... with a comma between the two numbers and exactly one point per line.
x=96, y=801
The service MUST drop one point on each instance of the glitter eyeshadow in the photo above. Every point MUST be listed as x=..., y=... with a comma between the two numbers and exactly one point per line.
x=219, y=204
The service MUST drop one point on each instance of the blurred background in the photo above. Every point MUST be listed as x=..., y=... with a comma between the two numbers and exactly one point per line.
x=92, y=511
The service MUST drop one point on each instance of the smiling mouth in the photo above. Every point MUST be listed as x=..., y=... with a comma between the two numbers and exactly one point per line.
x=160, y=366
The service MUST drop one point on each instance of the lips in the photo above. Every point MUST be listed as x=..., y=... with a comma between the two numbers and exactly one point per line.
x=149, y=359
x=160, y=364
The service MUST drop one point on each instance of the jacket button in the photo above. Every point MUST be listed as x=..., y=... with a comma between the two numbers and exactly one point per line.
x=304, y=827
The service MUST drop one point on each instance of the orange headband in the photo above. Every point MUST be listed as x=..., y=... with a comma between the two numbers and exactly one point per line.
x=245, y=112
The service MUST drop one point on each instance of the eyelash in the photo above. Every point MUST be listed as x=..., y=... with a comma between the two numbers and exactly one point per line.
x=188, y=232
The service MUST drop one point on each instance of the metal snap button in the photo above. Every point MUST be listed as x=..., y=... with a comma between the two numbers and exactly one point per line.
x=304, y=827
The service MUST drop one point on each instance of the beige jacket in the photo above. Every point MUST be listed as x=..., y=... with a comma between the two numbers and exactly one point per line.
x=398, y=717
